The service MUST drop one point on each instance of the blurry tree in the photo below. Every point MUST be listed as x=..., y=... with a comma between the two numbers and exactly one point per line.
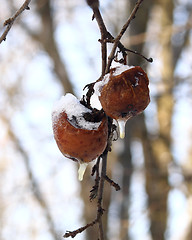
x=162, y=30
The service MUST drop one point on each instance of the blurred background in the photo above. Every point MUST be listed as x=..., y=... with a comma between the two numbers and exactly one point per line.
x=53, y=49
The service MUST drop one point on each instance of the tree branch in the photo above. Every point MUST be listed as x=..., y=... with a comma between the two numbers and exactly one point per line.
x=117, y=39
x=9, y=22
x=98, y=188
x=102, y=179
x=107, y=37
x=94, y=190
x=100, y=209
x=94, y=4
x=100, y=196
x=112, y=183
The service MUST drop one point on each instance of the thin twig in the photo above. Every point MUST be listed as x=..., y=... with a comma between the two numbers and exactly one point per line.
x=94, y=4
x=100, y=195
x=107, y=37
x=112, y=183
x=79, y=230
x=9, y=22
x=141, y=55
x=94, y=190
x=116, y=42
x=103, y=31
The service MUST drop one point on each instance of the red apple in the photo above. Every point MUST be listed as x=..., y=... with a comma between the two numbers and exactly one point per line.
x=76, y=137
x=126, y=93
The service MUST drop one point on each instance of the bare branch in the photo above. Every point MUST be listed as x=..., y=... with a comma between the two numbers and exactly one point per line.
x=79, y=230
x=9, y=22
x=94, y=190
x=98, y=189
x=117, y=39
x=112, y=183
x=94, y=4
x=100, y=209
x=141, y=55
x=100, y=196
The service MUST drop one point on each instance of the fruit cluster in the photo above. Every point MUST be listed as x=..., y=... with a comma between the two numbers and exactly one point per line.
x=81, y=133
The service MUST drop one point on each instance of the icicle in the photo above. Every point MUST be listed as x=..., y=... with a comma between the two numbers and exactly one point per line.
x=81, y=171
x=121, y=124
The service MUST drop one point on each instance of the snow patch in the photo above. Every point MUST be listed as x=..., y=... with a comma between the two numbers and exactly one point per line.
x=117, y=71
x=74, y=110
x=99, y=85
x=121, y=69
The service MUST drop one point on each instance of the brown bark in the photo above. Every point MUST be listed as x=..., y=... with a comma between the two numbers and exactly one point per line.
x=187, y=172
x=157, y=151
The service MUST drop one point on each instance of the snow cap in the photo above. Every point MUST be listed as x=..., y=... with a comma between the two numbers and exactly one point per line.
x=115, y=72
x=73, y=108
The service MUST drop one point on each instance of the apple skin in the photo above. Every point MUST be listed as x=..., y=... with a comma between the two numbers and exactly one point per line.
x=125, y=95
x=80, y=144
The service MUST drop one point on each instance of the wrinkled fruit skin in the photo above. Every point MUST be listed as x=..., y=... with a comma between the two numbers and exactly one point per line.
x=125, y=95
x=80, y=144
